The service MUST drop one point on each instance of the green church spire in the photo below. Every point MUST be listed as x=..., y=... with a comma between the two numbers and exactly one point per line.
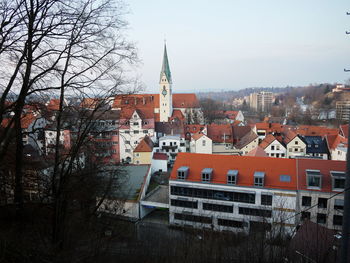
x=165, y=67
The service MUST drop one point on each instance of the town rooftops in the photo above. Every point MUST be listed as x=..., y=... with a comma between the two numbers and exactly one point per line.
x=221, y=164
x=246, y=139
x=220, y=133
x=145, y=145
x=308, y=130
x=267, y=141
x=258, y=152
x=333, y=141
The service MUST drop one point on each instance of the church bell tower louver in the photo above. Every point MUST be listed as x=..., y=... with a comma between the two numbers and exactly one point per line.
x=165, y=96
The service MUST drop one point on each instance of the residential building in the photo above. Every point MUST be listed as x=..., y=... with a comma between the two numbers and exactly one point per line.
x=273, y=147
x=235, y=193
x=247, y=143
x=295, y=146
x=159, y=162
x=343, y=110
x=171, y=145
x=221, y=135
x=337, y=147
x=134, y=126
x=143, y=151
x=318, y=181
x=261, y=101
x=200, y=143
x=316, y=147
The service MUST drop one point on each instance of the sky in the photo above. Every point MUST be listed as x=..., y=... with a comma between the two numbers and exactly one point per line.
x=236, y=44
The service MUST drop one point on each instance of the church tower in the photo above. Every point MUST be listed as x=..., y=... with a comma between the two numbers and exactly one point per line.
x=165, y=96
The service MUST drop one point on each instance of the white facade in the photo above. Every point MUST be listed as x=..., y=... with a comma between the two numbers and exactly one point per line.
x=159, y=165
x=278, y=213
x=296, y=147
x=201, y=145
x=165, y=99
x=171, y=145
x=339, y=153
x=249, y=147
x=276, y=149
x=130, y=137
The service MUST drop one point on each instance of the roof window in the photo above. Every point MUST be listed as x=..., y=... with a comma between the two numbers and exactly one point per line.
x=314, y=179
x=232, y=177
x=285, y=178
x=259, y=179
x=182, y=172
x=207, y=174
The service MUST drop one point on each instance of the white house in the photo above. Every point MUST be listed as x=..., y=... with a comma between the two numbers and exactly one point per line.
x=171, y=145
x=273, y=147
x=337, y=146
x=159, y=162
x=200, y=143
x=294, y=144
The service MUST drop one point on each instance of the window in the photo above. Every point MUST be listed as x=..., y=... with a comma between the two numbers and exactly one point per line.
x=254, y=212
x=339, y=204
x=127, y=142
x=127, y=150
x=277, y=148
x=230, y=223
x=193, y=218
x=313, y=178
x=272, y=147
x=337, y=220
x=272, y=154
x=163, y=143
x=127, y=132
x=321, y=218
x=206, y=174
x=284, y=178
x=305, y=215
x=322, y=202
x=135, y=123
x=266, y=199
x=203, y=143
x=182, y=172
x=296, y=149
x=259, y=179
x=282, y=154
x=136, y=132
x=232, y=177
x=306, y=201
x=114, y=143
x=290, y=149
x=338, y=180
x=218, y=208
x=182, y=203
x=137, y=155
x=145, y=122
x=145, y=131
x=296, y=142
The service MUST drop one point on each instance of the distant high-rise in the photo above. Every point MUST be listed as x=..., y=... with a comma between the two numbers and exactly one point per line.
x=343, y=110
x=261, y=101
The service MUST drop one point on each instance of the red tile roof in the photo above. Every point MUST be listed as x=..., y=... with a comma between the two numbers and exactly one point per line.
x=160, y=156
x=258, y=152
x=177, y=114
x=197, y=136
x=344, y=130
x=288, y=135
x=334, y=140
x=220, y=133
x=308, y=130
x=270, y=127
x=26, y=120
x=324, y=166
x=272, y=167
x=185, y=100
x=145, y=145
x=267, y=141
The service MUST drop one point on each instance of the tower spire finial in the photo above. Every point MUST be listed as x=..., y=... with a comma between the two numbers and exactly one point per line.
x=165, y=66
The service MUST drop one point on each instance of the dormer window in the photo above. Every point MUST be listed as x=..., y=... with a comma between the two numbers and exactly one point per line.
x=314, y=179
x=232, y=177
x=182, y=172
x=338, y=180
x=206, y=174
x=259, y=179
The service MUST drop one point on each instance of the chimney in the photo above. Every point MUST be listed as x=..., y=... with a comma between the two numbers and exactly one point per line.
x=135, y=100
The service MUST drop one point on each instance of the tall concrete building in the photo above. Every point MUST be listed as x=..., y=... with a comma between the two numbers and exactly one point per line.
x=343, y=110
x=261, y=101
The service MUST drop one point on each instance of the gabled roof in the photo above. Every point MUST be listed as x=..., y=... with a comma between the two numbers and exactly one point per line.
x=197, y=136
x=220, y=133
x=145, y=145
x=270, y=127
x=334, y=140
x=127, y=113
x=168, y=128
x=221, y=164
x=288, y=135
x=258, y=152
x=315, y=144
x=246, y=139
x=240, y=131
x=267, y=141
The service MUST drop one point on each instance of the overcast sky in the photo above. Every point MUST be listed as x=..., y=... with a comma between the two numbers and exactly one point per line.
x=235, y=44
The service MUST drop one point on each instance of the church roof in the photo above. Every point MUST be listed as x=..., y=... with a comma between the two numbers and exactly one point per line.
x=165, y=67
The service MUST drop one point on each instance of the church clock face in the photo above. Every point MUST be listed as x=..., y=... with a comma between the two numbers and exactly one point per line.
x=164, y=92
